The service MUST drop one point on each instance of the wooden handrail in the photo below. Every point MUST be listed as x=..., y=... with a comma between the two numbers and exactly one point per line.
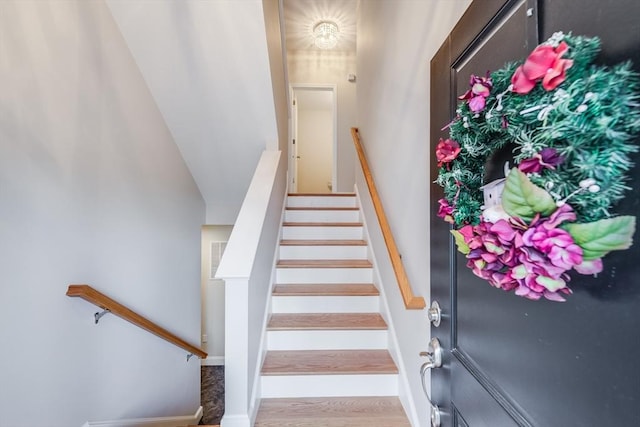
x=410, y=301
x=87, y=293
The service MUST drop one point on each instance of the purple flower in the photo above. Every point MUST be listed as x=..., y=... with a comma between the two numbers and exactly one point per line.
x=589, y=267
x=566, y=256
x=556, y=244
x=536, y=262
x=523, y=291
x=445, y=210
x=503, y=230
x=555, y=296
x=480, y=90
x=563, y=213
x=536, y=278
x=531, y=259
x=468, y=233
x=547, y=158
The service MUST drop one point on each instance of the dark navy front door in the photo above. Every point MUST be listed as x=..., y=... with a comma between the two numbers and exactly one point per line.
x=510, y=361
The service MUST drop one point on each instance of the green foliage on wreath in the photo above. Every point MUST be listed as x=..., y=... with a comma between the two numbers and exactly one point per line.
x=590, y=119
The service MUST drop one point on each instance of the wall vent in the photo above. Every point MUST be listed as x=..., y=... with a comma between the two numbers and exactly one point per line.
x=217, y=249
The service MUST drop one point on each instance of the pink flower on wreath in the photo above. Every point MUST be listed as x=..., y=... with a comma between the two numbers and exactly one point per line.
x=546, y=158
x=477, y=95
x=445, y=210
x=537, y=278
x=556, y=244
x=531, y=259
x=593, y=266
x=446, y=151
x=544, y=63
x=560, y=215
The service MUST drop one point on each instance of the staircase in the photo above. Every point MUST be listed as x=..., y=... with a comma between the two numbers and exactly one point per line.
x=327, y=362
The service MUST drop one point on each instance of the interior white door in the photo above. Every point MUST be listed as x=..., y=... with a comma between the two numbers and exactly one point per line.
x=293, y=146
x=315, y=140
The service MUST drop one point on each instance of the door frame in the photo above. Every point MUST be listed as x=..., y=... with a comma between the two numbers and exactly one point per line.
x=333, y=88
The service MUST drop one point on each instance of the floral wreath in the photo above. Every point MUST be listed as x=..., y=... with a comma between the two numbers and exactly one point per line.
x=570, y=126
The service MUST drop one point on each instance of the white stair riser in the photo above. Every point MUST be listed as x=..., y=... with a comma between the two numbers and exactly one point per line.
x=321, y=202
x=322, y=233
x=324, y=275
x=322, y=216
x=329, y=385
x=325, y=304
x=328, y=340
x=323, y=252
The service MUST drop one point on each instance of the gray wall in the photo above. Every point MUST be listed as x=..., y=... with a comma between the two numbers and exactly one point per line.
x=92, y=190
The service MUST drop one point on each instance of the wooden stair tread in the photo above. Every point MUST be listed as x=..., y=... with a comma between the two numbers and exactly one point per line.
x=329, y=289
x=328, y=362
x=300, y=242
x=321, y=224
x=321, y=194
x=324, y=263
x=326, y=321
x=321, y=208
x=332, y=412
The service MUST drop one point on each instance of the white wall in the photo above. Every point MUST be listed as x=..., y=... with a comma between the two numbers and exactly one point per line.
x=213, y=296
x=393, y=118
x=207, y=65
x=92, y=190
x=277, y=64
x=332, y=68
x=315, y=148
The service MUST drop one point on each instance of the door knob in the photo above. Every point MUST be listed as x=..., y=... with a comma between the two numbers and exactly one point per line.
x=433, y=355
x=434, y=360
x=434, y=314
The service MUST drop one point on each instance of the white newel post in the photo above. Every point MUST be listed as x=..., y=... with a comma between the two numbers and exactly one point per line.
x=246, y=268
x=236, y=341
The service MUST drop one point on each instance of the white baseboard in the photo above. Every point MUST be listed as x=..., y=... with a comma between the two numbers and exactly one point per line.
x=212, y=361
x=235, y=421
x=150, y=422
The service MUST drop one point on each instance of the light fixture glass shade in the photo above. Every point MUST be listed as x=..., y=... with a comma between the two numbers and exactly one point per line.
x=325, y=34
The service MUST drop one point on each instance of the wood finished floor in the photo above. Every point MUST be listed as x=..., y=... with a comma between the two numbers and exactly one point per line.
x=299, y=242
x=332, y=412
x=337, y=289
x=321, y=194
x=328, y=362
x=324, y=263
x=321, y=208
x=322, y=224
x=326, y=321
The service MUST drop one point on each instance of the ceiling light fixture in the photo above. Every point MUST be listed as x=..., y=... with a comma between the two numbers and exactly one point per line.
x=325, y=34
